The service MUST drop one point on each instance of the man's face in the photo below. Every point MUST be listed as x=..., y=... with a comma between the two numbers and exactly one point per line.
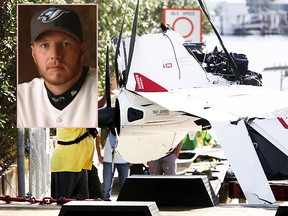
x=59, y=57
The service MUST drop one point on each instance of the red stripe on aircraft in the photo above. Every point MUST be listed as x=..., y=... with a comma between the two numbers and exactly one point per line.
x=284, y=124
x=144, y=84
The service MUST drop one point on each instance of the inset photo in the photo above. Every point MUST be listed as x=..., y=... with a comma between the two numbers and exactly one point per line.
x=57, y=83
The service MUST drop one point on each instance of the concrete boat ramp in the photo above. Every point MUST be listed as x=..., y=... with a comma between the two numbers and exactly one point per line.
x=178, y=189
x=219, y=210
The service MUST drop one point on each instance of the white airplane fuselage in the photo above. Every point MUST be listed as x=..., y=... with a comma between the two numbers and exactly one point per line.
x=169, y=94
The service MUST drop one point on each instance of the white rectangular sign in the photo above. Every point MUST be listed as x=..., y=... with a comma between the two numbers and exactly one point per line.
x=186, y=21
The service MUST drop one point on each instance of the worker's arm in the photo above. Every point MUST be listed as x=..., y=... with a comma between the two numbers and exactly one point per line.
x=98, y=149
x=178, y=149
x=102, y=101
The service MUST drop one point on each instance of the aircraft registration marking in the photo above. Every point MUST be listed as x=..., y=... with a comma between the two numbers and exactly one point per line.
x=161, y=112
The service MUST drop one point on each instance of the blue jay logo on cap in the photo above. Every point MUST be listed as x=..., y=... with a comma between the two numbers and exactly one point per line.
x=51, y=14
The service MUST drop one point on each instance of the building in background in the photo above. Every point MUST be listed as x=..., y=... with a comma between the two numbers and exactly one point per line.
x=251, y=17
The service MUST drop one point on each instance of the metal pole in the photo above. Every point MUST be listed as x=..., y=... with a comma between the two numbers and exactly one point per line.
x=20, y=162
x=281, y=80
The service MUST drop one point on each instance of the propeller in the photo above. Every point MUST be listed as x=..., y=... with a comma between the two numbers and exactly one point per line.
x=124, y=76
x=107, y=115
x=132, y=42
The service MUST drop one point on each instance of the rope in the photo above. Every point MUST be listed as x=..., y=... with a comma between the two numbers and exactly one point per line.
x=46, y=200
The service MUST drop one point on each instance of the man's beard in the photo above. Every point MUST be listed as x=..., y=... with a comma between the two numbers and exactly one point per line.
x=61, y=78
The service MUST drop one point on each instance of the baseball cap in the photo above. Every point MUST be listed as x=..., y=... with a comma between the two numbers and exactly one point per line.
x=56, y=18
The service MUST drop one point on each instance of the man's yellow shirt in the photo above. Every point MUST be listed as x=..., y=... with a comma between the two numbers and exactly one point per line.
x=74, y=157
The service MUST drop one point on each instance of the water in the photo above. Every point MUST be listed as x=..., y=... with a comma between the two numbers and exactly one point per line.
x=261, y=51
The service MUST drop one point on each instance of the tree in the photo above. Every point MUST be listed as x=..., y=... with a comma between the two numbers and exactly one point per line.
x=7, y=85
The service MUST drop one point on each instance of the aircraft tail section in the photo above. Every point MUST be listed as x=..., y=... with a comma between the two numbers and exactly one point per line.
x=161, y=63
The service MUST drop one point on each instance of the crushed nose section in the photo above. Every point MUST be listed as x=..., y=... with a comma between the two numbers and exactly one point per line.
x=217, y=63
